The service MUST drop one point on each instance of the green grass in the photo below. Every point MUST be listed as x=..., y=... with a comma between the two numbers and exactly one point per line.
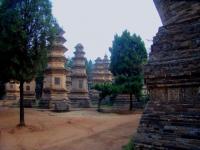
x=129, y=146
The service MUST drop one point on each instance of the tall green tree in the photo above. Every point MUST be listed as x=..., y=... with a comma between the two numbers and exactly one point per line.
x=27, y=31
x=128, y=55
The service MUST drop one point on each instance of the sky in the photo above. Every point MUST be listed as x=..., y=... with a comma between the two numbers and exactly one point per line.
x=93, y=23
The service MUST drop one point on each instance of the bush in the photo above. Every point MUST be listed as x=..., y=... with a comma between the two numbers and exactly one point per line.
x=129, y=146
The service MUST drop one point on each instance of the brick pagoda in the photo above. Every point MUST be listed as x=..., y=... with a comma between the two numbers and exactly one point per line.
x=55, y=90
x=79, y=89
x=171, y=119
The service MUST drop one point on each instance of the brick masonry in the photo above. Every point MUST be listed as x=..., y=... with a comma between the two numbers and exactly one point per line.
x=171, y=119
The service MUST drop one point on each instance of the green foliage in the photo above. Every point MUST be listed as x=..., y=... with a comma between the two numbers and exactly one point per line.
x=106, y=89
x=89, y=66
x=27, y=33
x=132, y=84
x=128, y=55
x=39, y=84
x=68, y=63
x=27, y=30
x=2, y=89
x=129, y=146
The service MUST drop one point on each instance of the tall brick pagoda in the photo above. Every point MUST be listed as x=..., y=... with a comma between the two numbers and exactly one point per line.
x=171, y=119
x=79, y=90
x=55, y=90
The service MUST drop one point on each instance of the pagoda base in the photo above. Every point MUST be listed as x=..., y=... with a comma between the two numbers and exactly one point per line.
x=12, y=96
x=29, y=100
x=79, y=101
x=55, y=105
x=170, y=124
x=51, y=100
x=94, y=96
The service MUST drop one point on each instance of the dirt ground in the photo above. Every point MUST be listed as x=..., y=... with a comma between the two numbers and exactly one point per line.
x=76, y=130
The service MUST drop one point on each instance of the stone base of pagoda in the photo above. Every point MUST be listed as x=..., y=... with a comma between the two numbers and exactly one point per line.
x=12, y=96
x=51, y=99
x=79, y=100
x=94, y=96
x=29, y=99
x=61, y=105
x=122, y=100
x=170, y=123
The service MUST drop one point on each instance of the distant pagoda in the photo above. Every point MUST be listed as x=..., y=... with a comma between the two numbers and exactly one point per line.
x=13, y=93
x=12, y=90
x=101, y=72
x=79, y=90
x=98, y=72
x=29, y=93
x=108, y=77
x=55, y=89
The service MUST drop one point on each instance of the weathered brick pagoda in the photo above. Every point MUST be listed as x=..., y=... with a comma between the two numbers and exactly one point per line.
x=55, y=90
x=97, y=72
x=12, y=90
x=79, y=89
x=101, y=72
x=29, y=93
x=171, y=120
x=108, y=77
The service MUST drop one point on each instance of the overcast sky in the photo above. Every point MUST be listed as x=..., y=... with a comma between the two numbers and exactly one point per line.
x=95, y=22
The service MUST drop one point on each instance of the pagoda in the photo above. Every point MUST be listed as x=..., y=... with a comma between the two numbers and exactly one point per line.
x=98, y=72
x=55, y=90
x=29, y=93
x=108, y=77
x=171, y=119
x=101, y=72
x=79, y=89
x=12, y=90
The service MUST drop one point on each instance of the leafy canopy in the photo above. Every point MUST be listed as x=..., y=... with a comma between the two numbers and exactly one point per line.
x=128, y=54
x=106, y=89
x=27, y=31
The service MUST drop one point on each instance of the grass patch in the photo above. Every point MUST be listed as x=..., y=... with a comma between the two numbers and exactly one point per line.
x=129, y=146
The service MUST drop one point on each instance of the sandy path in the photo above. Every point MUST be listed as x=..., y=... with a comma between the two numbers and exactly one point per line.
x=76, y=130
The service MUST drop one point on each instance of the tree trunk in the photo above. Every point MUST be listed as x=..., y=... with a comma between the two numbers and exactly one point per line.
x=131, y=102
x=99, y=105
x=22, y=123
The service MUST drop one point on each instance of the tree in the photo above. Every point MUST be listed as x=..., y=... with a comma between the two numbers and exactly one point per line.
x=39, y=84
x=128, y=55
x=68, y=63
x=105, y=89
x=27, y=31
x=2, y=89
x=89, y=66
